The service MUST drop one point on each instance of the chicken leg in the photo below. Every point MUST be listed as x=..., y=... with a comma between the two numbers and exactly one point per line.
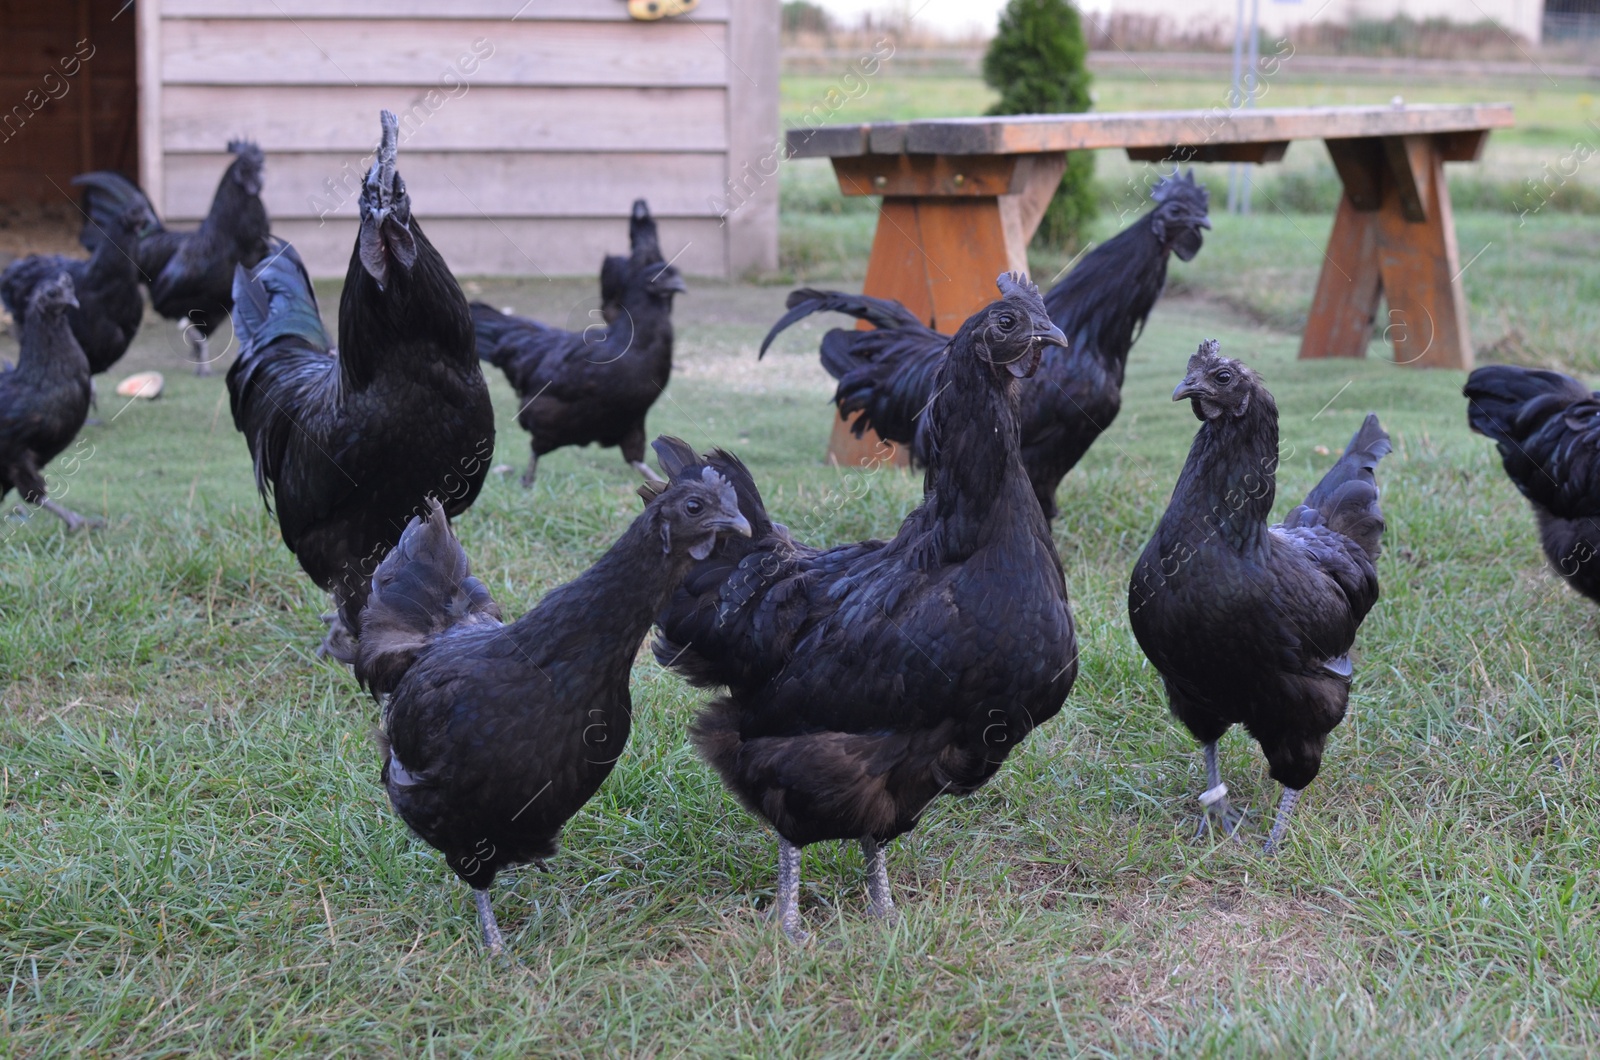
x=492, y=938
x=199, y=346
x=880, y=900
x=533, y=469
x=787, y=910
x=649, y=475
x=1280, y=824
x=74, y=521
x=1218, y=813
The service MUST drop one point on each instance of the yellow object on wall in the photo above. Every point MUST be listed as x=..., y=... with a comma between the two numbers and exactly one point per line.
x=650, y=10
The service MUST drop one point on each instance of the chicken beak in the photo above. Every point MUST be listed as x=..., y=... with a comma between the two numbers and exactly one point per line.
x=737, y=525
x=1050, y=335
x=1187, y=388
x=672, y=283
x=1204, y=222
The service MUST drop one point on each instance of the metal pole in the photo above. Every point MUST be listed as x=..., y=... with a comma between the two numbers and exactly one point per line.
x=1236, y=99
x=1250, y=78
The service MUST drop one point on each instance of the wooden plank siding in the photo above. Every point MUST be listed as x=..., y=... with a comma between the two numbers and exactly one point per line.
x=523, y=141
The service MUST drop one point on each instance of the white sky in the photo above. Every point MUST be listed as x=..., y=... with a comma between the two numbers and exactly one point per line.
x=943, y=16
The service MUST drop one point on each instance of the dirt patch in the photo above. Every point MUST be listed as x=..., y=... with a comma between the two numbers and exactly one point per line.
x=1164, y=955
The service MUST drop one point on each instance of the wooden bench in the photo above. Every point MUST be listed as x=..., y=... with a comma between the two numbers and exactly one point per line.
x=963, y=196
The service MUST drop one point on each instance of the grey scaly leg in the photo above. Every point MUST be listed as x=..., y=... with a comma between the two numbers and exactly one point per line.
x=788, y=908
x=491, y=927
x=649, y=475
x=197, y=346
x=533, y=469
x=880, y=900
x=74, y=521
x=1218, y=812
x=1280, y=824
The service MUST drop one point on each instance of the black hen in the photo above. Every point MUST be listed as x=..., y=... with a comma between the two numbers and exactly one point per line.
x=190, y=274
x=44, y=399
x=864, y=680
x=887, y=374
x=348, y=446
x=596, y=385
x=1547, y=428
x=1249, y=623
x=110, y=307
x=496, y=735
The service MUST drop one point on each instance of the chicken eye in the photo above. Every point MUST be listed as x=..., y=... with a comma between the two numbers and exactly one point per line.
x=692, y=506
x=1224, y=377
x=1007, y=322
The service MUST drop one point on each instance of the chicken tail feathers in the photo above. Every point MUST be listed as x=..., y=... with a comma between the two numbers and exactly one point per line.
x=107, y=198
x=1346, y=500
x=1508, y=403
x=881, y=313
x=422, y=588
x=491, y=328
x=275, y=301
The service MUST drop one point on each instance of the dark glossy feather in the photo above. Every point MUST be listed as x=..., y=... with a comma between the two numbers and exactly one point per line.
x=110, y=306
x=190, y=274
x=45, y=398
x=597, y=385
x=348, y=447
x=888, y=373
x=1251, y=623
x=1547, y=428
x=497, y=734
x=863, y=680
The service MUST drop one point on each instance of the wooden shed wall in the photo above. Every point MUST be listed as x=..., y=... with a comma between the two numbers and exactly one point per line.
x=524, y=139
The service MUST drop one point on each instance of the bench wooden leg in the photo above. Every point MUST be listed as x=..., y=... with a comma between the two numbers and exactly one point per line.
x=1394, y=234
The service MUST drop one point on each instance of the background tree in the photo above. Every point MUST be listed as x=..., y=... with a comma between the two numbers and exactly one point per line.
x=1037, y=61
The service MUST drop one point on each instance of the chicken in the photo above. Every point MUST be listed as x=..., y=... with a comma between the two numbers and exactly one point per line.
x=190, y=274
x=1249, y=623
x=495, y=735
x=1547, y=428
x=888, y=373
x=866, y=679
x=110, y=307
x=44, y=399
x=347, y=446
x=596, y=385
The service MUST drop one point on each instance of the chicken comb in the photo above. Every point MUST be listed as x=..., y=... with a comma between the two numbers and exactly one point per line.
x=1209, y=350
x=388, y=147
x=1175, y=186
x=1017, y=285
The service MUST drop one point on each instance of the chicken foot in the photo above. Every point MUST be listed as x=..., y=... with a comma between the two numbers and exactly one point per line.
x=74, y=521
x=1218, y=813
x=787, y=909
x=1280, y=824
x=880, y=899
x=492, y=939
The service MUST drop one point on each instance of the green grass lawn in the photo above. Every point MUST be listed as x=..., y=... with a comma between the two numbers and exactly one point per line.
x=195, y=856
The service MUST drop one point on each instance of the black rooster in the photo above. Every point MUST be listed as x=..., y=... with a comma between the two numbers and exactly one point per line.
x=348, y=446
x=496, y=735
x=1248, y=623
x=190, y=274
x=110, y=307
x=596, y=385
x=887, y=374
x=44, y=399
x=864, y=680
x=1547, y=428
